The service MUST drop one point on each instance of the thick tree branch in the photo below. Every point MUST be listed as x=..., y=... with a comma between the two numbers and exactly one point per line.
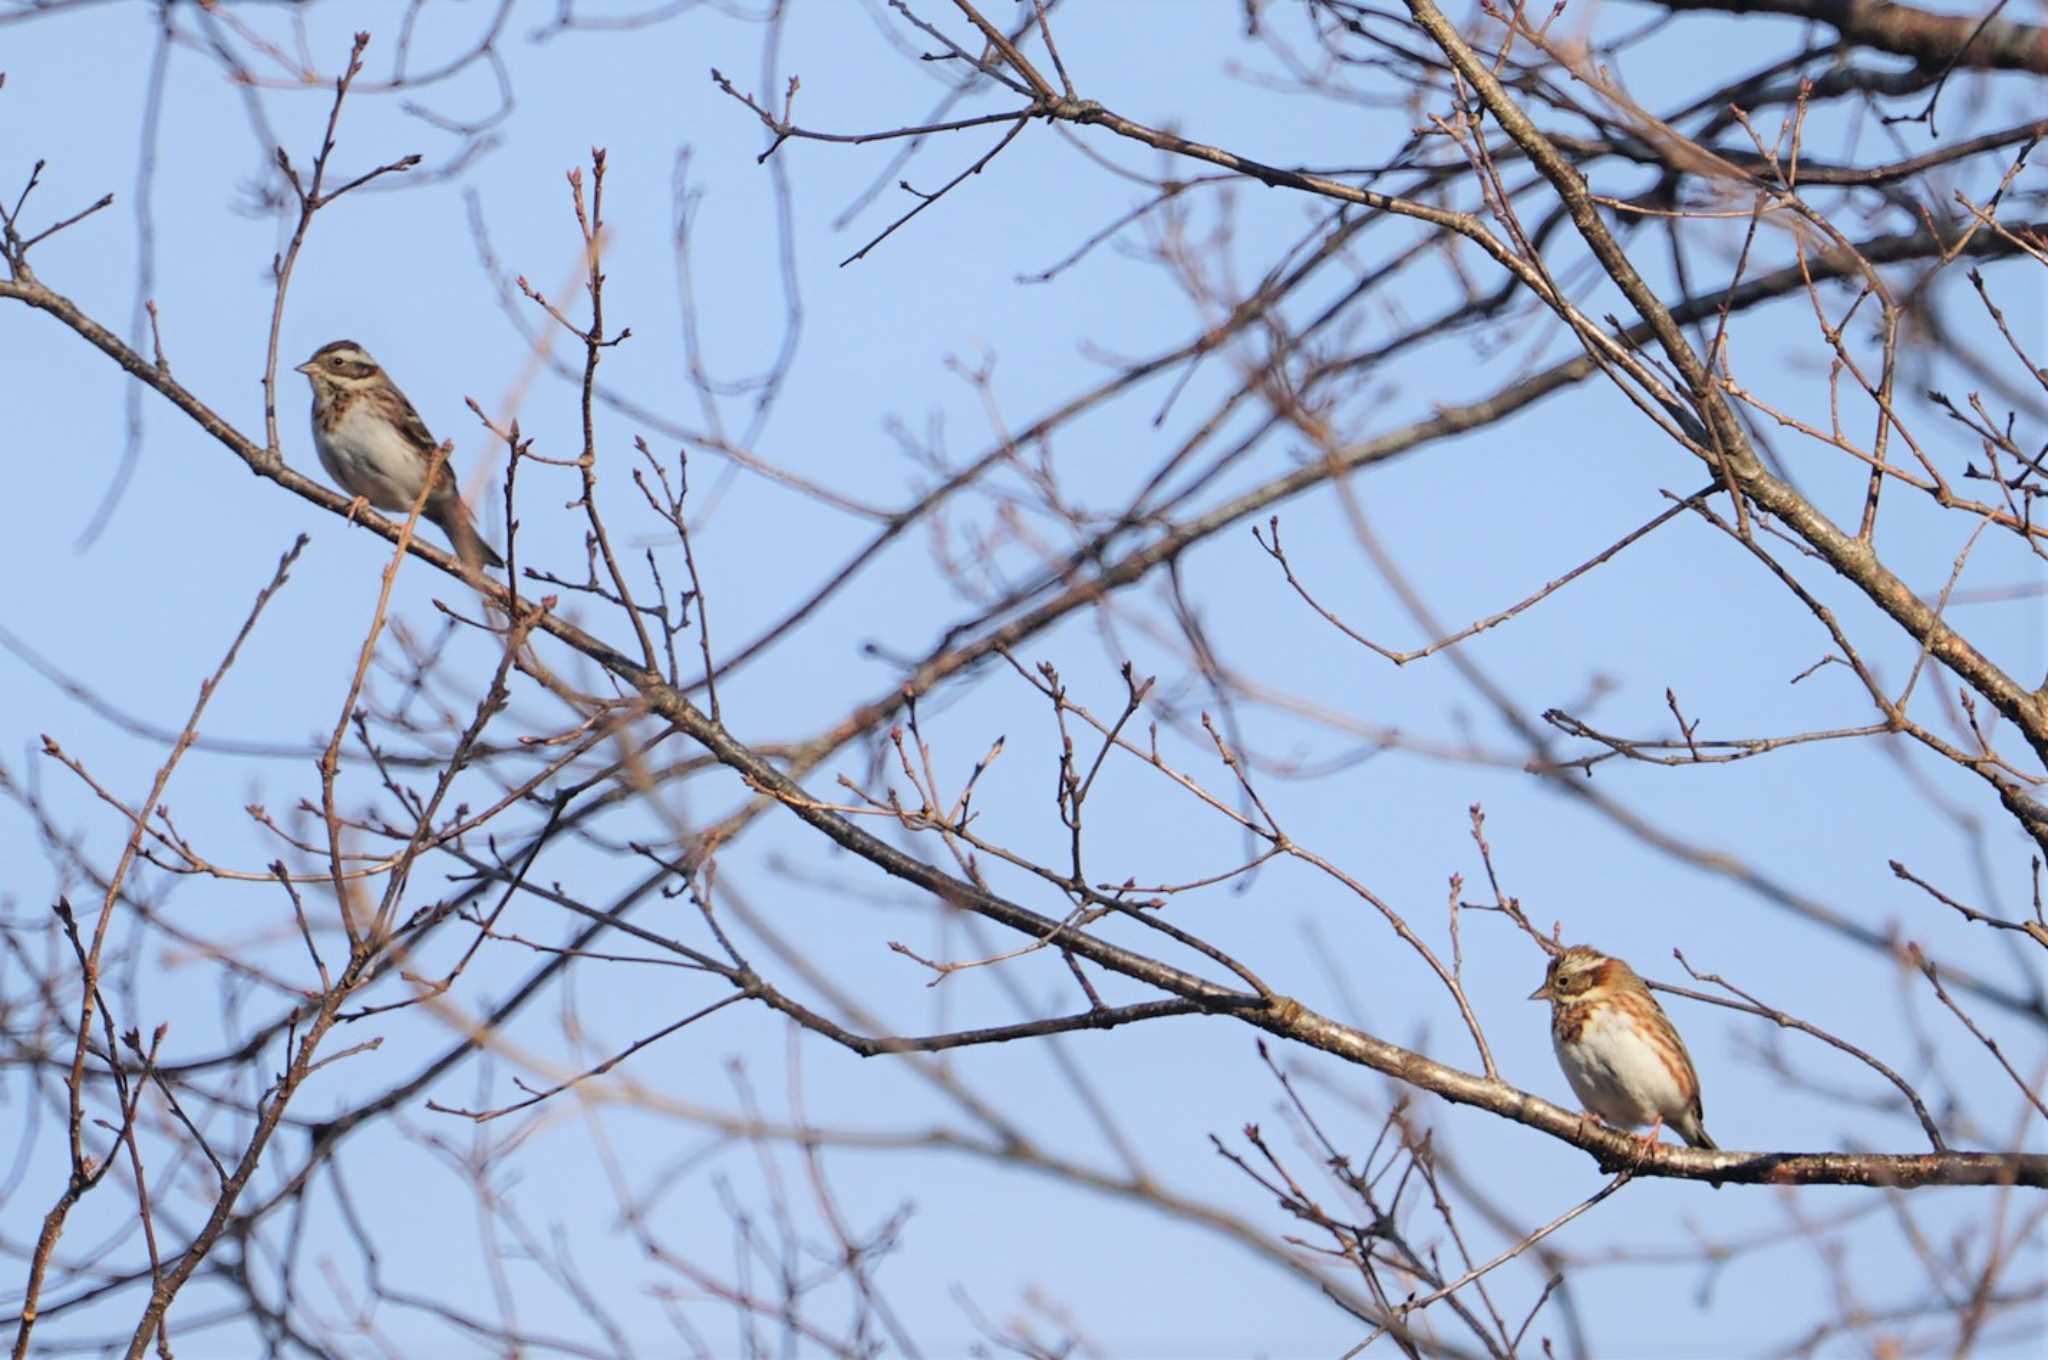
x=1933, y=40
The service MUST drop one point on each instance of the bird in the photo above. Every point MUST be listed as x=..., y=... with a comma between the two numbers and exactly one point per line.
x=375, y=446
x=1618, y=1049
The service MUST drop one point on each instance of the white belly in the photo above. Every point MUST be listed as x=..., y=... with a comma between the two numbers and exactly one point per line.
x=369, y=457
x=1618, y=1075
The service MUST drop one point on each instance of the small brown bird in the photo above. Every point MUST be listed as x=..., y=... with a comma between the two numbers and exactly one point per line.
x=1617, y=1047
x=375, y=446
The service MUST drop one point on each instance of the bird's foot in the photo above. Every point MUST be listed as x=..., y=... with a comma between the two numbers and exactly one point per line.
x=1646, y=1141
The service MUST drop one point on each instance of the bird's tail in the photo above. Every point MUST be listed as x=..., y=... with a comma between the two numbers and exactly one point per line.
x=462, y=535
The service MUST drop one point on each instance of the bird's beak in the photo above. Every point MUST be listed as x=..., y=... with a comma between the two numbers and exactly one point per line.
x=305, y=368
x=1541, y=993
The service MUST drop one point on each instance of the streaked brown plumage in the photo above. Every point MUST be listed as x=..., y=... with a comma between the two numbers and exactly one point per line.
x=375, y=446
x=1618, y=1049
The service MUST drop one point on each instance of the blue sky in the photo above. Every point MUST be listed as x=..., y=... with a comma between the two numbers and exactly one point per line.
x=1476, y=522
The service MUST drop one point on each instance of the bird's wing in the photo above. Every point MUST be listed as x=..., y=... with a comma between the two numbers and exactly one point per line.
x=417, y=434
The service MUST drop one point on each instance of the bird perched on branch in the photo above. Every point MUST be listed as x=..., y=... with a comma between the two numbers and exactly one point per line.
x=1618, y=1049
x=375, y=446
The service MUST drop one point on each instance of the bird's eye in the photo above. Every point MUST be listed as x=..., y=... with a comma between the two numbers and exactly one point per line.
x=334, y=361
